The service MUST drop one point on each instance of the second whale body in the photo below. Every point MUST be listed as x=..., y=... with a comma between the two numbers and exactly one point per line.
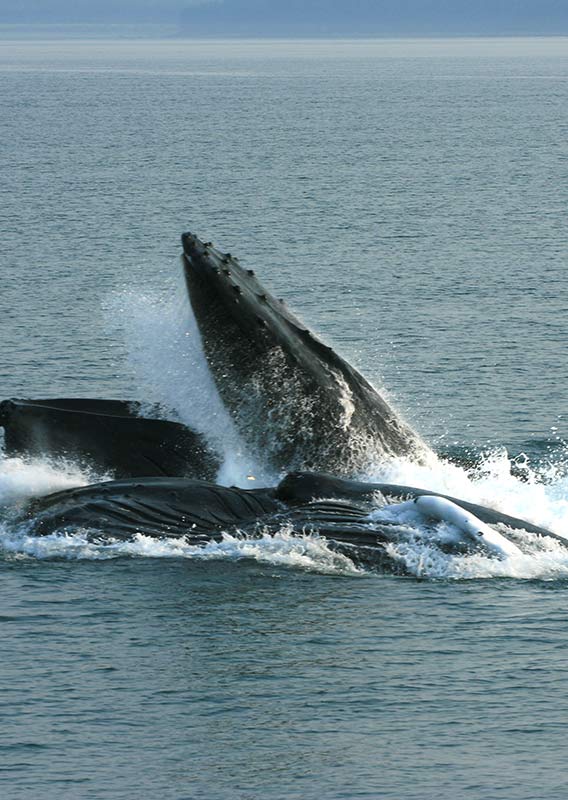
x=105, y=436
x=346, y=514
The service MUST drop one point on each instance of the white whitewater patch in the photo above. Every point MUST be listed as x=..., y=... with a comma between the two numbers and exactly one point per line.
x=549, y=561
x=309, y=553
x=22, y=479
x=540, y=497
x=346, y=397
x=420, y=551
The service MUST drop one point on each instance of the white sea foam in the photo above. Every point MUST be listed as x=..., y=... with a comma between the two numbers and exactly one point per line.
x=425, y=560
x=540, y=496
x=283, y=549
x=22, y=479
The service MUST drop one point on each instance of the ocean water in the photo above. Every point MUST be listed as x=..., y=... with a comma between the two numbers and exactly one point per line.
x=408, y=199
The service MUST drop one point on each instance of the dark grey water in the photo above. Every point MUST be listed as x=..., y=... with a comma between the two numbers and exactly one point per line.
x=409, y=200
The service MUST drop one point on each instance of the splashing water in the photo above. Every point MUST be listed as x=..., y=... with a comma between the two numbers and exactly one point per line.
x=309, y=553
x=166, y=355
x=540, y=496
x=22, y=479
x=427, y=561
x=420, y=550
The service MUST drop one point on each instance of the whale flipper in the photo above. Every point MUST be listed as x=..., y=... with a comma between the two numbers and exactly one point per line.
x=303, y=487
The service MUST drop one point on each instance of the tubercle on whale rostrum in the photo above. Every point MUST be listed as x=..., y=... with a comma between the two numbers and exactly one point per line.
x=243, y=283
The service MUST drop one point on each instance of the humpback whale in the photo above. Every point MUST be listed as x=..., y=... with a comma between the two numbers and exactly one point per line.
x=292, y=397
x=317, y=419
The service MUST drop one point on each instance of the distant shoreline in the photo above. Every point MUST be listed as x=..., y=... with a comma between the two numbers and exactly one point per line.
x=157, y=31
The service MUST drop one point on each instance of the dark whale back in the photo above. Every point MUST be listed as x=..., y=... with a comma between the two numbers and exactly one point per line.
x=157, y=507
x=107, y=435
x=199, y=512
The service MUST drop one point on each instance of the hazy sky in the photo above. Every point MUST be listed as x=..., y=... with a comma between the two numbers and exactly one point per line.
x=306, y=17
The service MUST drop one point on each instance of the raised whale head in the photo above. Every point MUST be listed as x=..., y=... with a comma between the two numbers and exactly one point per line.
x=291, y=395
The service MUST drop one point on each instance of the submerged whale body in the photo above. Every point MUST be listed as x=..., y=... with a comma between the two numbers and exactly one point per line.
x=293, y=399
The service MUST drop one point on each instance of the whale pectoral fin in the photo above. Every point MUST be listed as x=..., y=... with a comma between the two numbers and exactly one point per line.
x=476, y=531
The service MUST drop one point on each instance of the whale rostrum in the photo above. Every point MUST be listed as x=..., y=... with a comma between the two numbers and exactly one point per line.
x=291, y=395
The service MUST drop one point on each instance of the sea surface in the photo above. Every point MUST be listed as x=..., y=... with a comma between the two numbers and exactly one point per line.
x=408, y=199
